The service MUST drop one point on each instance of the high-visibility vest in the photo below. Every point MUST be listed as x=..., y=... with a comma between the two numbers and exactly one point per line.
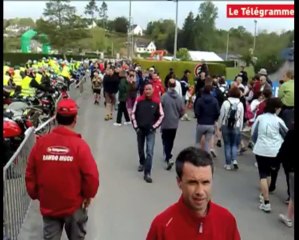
x=38, y=78
x=65, y=72
x=5, y=80
x=26, y=89
x=17, y=78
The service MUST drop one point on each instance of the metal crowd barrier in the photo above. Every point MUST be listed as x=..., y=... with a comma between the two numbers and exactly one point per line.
x=15, y=198
x=16, y=201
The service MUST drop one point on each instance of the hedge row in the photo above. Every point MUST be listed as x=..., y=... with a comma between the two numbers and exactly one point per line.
x=179, y=67
x=22, y=58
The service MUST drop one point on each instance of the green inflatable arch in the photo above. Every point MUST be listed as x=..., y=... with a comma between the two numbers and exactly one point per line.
x=26, y=39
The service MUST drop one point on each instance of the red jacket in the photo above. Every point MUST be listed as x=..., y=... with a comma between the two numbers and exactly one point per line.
x=61, y=172
x=158, y=88
x=178, y=222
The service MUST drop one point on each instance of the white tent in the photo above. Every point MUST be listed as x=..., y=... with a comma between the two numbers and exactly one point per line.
x=204, y=56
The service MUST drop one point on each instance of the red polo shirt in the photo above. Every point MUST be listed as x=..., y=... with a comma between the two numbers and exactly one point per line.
x=178, y=222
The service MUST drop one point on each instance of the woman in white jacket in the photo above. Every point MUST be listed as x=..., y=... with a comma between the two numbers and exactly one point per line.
x=231, y=128
x=268, y=132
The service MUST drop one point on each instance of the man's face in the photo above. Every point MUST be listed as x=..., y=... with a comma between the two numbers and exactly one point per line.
x=148, y=90
x=202, y=75
x=196, y=186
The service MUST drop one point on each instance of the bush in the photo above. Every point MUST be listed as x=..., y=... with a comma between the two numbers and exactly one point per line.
x=231, y=72
x=179, y=68
x=22, y=58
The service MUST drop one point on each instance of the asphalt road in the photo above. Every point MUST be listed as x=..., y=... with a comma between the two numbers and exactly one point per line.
x=125, y=204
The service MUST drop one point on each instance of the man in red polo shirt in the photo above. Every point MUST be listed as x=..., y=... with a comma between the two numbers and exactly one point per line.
x=62, y=174
x=194, y=216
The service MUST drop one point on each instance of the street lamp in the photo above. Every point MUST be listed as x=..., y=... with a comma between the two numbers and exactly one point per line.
x=129, y=30
x=227, y=42
x=254, y=39
x=176, y=29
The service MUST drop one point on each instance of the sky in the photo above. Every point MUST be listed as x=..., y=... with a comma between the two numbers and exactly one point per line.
x=146, y=11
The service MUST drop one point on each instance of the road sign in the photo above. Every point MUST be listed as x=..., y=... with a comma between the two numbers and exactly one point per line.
x=197, y=69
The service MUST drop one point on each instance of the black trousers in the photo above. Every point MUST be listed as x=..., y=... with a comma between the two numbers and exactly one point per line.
x=274, y=174
x=168, y=136
x=122, y=109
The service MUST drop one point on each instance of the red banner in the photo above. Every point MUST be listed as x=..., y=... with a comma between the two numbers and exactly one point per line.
x=260, y=11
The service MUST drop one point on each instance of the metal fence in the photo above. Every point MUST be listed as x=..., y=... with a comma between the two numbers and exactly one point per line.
x=15, y=198
x=16, y=201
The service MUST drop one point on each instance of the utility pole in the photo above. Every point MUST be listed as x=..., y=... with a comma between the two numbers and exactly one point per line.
x=129, y=31
x=254, y=39
x=176, y=29
x=227, y=43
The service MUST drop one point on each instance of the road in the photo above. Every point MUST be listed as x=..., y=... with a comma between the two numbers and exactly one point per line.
x=125, y=204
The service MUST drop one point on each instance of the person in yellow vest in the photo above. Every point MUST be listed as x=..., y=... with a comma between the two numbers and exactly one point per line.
x=65, y=73
x=29, y=85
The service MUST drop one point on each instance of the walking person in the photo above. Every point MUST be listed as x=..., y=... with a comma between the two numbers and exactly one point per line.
x=173, y=106
x=231, y=123
x=268, y=132
x=62, y=174
x=147, y=116
x=195, y=215
x=97, y=82
x=286, y=155
x=123, y=90
x=207, y=113
x=185, y=87
x=132, y=91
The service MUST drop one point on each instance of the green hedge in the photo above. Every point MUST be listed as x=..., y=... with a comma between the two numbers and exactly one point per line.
x=232, y=72
x=22, y=58
x=179, y=67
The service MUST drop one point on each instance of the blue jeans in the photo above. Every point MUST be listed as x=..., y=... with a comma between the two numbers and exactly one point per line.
x=231, y=139
x=149, y=137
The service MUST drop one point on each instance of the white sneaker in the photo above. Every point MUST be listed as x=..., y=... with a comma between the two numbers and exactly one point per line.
x=283, y=218
x=227, y=167
x=265, y=207
x=127, y=123
x=261, y=198
x=235, y=164
x=117, y=124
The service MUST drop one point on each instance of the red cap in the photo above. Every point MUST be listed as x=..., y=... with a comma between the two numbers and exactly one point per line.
x=67, y=107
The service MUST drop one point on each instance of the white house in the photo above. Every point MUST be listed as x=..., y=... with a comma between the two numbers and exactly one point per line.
x=137, y=30
x=204, y=56
x=92, y=25
x=144, y=47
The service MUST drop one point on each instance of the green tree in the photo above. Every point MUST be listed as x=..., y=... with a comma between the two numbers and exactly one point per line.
x=61, y=24
x=91, y=9
x=120, y=24
x=187, y=35
x=183, y=54
x=103, y=15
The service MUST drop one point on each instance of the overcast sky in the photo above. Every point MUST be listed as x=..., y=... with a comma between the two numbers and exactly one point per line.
x=146, y=11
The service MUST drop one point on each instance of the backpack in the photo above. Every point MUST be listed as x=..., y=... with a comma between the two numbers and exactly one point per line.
x=232, y=115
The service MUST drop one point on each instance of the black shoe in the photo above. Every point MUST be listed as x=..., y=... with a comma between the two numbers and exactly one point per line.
x=148, y=178
x=250, y=145
x=140, y=168
x=218, y=144
x=169, y=165
x=243, y=149
x=271, y=189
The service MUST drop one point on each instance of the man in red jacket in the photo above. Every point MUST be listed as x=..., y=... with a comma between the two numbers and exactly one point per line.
x=62, y=174
x=194, y=216
x=157, y=85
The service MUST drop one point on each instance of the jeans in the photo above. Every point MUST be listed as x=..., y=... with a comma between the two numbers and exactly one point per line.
x=122, y=109
x=149, y=137
x=231, y=139
x=168, y=136
x=75, y=226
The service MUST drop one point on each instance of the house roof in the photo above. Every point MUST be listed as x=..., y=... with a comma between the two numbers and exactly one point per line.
x=142, y=42
x=206, y=56
x=134, y=26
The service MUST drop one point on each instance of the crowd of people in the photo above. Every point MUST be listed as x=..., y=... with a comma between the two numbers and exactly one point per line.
x=223, y=112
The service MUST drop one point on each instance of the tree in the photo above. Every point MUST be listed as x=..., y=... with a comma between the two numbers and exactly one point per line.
x=183, y=54
x=103, y=15
x=91, y=9
x=187, y=35
x=120, y=24
x=61, y=24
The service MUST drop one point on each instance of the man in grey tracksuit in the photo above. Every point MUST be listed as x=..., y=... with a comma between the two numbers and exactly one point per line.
x=174, y=109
